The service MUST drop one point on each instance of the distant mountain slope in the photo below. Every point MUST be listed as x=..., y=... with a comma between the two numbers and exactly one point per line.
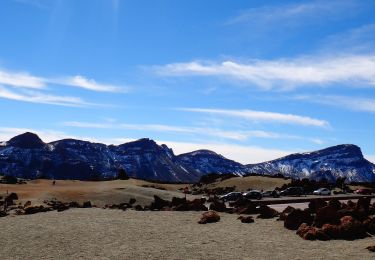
x=205, y=162
x=27, y=156
x=337, y=161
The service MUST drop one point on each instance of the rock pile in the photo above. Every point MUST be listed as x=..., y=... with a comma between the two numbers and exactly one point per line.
x=209, y=217
x=246, y=219
x=332, y=220
x=177, y=204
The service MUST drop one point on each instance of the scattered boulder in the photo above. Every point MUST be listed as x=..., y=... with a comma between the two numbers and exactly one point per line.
x=3, y=213
x=363, y=203
x=316, y=204
x=209, y=217
x=327, y=214
x=334, y=203
x=246, y=219
x=350, y=228
x=218, y=205
x=369, y=225
x=138, y=208
x=74, y=204
x=311, y=233
x=132, y=201
x=13, y=196
x=296, y=217
x=333, y=231
x=267, y=212
x=27, y=204
x=158, y=203
x=87, y=204
x=35, y=209
x=285, y=213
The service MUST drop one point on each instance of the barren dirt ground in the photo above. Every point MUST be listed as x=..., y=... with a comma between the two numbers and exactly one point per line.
x=114, y=234
x=99, y=193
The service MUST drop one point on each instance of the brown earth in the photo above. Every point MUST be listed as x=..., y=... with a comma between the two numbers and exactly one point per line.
x=113, y=234
x=99, y=193
x=250, y=182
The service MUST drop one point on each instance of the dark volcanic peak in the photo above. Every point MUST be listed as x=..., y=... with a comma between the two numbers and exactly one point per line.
x=343, y=151
x=27, y=141
x=27, y=156
x=337, y=161
x=144, y=143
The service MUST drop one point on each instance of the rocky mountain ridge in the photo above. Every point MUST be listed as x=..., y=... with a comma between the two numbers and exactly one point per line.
x=27, y=156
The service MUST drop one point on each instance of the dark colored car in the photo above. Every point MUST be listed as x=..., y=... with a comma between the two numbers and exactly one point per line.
x=231, y=196
x=363, y=191
x=292, y=191
x=271, y=193
x=253, y=194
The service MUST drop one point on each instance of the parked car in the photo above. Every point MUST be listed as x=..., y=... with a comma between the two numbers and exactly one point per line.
x=292, y=191
x=322, y=191
x=253, y=194
x=363, y=191
x=271, y=193
x=231, y=196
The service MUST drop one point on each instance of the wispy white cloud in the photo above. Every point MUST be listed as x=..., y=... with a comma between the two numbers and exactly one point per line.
x=207, y=131
x=354, y=70
x=352, y=103
x=21, y=79
x=26, y=80
x=89, y=84
x=355, y=40
x=41, y=98
x=262, y=116
x=311, y=11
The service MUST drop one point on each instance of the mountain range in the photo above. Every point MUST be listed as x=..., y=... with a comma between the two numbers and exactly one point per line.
x=27, y=156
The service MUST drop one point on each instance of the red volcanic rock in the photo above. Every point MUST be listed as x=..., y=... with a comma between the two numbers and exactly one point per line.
x=247, y=219
x=178, y=201
x=334, y=203
x=197, y=205
x=316, y=204
x=363, y=203
x=86, y=204
x=369, y=225
x=35, y=209
x=350, y=228
x=303, y=229
x=138, y=208
x=285, y=213
x=311, y=233
x=327, y=214
x=267, y=212
x=333, y=231
x=351, y=204
x=218, y=205
x=209, y=217
x=296, y=218
x=158, y=203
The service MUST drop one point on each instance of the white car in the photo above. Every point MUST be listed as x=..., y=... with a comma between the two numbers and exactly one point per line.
x=322, y=191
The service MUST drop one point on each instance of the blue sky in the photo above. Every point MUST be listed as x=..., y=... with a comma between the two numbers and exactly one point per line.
x=252, y=80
